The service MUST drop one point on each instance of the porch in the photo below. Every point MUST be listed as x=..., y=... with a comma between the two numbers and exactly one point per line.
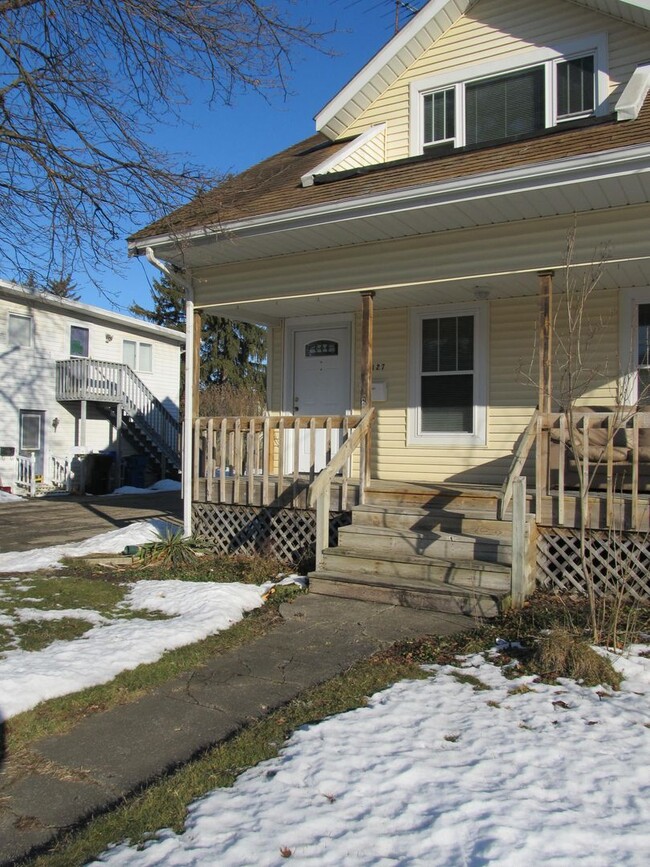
x=464, y=547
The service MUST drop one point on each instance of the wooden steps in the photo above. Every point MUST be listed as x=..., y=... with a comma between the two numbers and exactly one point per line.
x=436, y=548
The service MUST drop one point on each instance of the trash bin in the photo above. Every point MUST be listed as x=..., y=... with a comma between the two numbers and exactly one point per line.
x=98, y=471
x=135, y=467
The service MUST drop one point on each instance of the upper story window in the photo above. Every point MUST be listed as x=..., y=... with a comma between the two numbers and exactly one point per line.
x=494, y=102
x=79, y=341
x=138, y=356
x=19, y=330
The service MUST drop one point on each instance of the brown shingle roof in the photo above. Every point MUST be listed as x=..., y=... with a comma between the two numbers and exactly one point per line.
x=273, y=185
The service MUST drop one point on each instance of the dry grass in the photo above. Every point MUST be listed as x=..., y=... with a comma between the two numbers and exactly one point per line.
x=562, y=653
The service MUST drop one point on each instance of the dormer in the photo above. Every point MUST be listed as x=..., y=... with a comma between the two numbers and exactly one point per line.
x=472, y=73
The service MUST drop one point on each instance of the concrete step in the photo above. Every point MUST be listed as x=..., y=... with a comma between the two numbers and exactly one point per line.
x=467, y=574
x=424, y=595
x=448, y=546
x=423, y=520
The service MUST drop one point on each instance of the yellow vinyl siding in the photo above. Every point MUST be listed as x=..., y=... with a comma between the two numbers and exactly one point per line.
x=492, y=30
x=372, y=153
x=512, y=390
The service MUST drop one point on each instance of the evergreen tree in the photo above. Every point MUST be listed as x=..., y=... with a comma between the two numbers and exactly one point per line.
x=63, y=288
x=233, y=354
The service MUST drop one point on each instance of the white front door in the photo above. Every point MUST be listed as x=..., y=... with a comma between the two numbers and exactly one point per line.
x=321, y=385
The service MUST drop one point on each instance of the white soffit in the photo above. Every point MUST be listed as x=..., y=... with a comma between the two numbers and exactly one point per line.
x=418, y=35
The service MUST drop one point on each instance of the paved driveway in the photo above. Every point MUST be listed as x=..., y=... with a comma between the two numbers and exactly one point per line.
x=41, y=522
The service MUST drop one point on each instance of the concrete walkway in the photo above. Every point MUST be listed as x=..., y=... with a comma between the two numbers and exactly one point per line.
x=45, y=521
x=112, y=754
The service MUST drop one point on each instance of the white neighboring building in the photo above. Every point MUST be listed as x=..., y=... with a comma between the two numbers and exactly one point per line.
x=76, y=380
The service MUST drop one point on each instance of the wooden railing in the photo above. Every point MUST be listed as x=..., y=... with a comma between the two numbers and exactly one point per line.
x=585, y=455
x=235, y=456
x=26, y=473
x=320, y=490
x=110, y=382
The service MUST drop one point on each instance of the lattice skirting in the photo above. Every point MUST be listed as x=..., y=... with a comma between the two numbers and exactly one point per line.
x=619, y=562
x=289, y=533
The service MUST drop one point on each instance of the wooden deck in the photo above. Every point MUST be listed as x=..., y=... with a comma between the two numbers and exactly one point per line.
x=274, y=493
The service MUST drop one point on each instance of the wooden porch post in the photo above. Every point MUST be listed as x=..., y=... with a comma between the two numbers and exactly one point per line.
x=197, y=363
x=367, y=305
x=545, y=340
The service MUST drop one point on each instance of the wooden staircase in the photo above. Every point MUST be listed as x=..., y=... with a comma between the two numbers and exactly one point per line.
x=438, y=548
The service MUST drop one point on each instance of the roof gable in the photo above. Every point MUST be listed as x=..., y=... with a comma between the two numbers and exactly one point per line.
x=420, y=33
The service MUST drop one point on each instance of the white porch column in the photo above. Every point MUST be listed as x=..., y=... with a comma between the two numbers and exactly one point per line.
x=188, y=416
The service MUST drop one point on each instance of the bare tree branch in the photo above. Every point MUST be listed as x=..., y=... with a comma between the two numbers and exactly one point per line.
x=83, y=86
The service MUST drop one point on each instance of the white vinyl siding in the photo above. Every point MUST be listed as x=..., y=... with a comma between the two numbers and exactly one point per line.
x=492, y=31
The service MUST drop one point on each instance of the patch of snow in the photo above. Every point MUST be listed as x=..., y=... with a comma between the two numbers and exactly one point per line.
x=112, y=542
x=6, y=497
x=163, y=485
x=435, y=772
x=195, y=610
x=30, y=614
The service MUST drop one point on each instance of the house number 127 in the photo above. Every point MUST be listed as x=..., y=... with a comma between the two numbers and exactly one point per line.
x=379, y=365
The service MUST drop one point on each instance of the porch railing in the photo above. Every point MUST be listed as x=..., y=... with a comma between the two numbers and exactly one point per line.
x=595, y=463
x=593, y=455
x=320, y=489
x=26, y=473
x=234, y=456
x=59, y=472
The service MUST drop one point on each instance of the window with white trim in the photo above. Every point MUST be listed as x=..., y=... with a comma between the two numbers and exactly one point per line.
x=138, y=356
x=643, y=352
x=448, y=380
x=498, y=101
x=19, y=330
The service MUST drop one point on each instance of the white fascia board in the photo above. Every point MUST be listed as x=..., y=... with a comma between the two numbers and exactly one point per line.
x=631, y=100
x=307, y=180
x=22, y=294
x=589, y=167
x=383, y=56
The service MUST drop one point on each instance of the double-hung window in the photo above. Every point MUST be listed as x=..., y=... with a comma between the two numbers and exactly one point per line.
x=138, y=356
x=484, y=105
x=448, y=378
x=19, y=330
x=79, y=341
x=643, y=353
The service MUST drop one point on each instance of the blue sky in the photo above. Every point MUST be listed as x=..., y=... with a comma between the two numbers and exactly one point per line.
x=231, y=138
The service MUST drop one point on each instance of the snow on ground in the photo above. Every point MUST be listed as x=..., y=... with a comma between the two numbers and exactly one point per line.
x=157, y=487
x=112, y=542
x=6, y=497
x=195, y=610
x=437, y=773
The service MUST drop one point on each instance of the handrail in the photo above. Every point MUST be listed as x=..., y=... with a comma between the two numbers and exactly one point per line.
x=320, y=488
x=518, y=460
x=326, y=476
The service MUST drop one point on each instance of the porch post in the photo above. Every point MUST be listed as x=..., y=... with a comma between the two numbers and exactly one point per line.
x=188, y=414
x=367, y=306
x=545, y=340
x=197, y=363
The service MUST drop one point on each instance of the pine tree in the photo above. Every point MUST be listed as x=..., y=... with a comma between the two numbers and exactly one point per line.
x=63, y=288
x=233, y=354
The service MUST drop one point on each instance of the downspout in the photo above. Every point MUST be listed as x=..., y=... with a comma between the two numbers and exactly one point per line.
x=187, y=287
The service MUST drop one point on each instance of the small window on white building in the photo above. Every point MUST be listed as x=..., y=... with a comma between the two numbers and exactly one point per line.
x=79, y=341
x=138, y=356
x=19, y=330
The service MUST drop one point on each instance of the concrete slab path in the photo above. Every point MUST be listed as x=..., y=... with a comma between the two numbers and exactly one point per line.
x=46, y=521
x=112, y=754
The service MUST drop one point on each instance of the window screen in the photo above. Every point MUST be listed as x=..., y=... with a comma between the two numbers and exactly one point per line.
x=439, y=116
x=30, y=431
x=447, y=375
x=19, y=330
x=79, y=341
x=129, y=349
x=506, y=106
x=575, y=86
x=146, y=357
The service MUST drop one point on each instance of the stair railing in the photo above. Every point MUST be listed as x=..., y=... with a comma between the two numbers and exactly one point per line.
x=26, y=473
x=519, y=458
x=320, y=490
x=111, y=382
